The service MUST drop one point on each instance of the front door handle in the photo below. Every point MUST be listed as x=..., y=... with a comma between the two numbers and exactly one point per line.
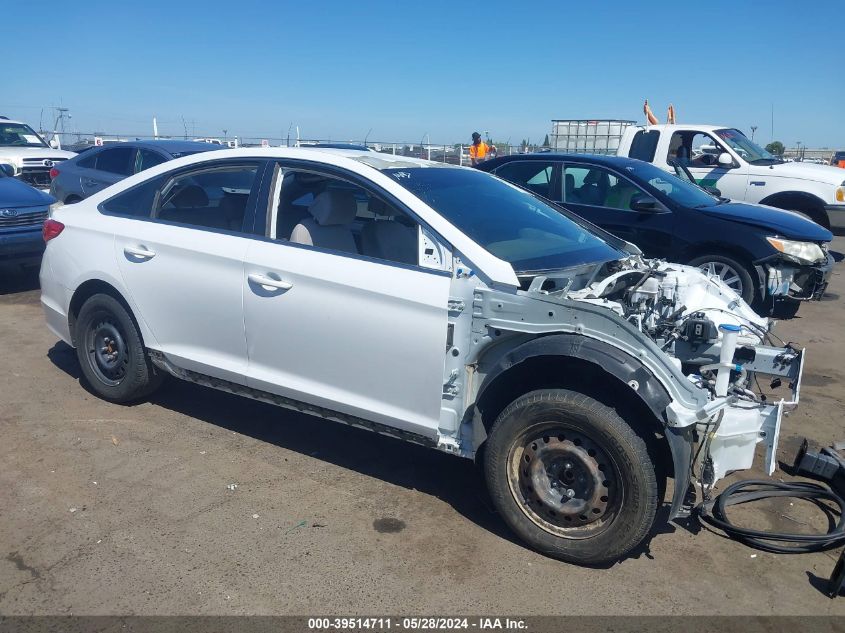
x=269, y=282
x=138, y=252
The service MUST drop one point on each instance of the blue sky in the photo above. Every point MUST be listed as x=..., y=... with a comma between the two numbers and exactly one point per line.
x=406, y=69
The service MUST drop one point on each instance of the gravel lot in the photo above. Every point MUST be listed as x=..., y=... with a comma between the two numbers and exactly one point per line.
x=199, y=502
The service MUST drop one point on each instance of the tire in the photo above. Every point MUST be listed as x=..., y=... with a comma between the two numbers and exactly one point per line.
x=556, y=444
x=111, y=353
x=731, y=271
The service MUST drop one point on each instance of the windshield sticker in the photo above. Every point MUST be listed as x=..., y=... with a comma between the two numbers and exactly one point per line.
x=31, y=138
x=401, y=174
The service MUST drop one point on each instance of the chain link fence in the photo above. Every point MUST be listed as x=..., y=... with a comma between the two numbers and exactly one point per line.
x=453, y=153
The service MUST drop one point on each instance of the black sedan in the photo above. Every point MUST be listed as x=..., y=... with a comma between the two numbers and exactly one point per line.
x=763, y=253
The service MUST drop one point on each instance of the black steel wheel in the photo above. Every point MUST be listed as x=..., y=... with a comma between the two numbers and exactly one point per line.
x=111, y=353
x=106, y=349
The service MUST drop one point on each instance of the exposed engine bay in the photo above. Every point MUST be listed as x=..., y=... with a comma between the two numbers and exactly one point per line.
x=713, y=337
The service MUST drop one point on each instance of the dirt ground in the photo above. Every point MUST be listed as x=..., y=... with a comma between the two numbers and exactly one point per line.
x=200, y=502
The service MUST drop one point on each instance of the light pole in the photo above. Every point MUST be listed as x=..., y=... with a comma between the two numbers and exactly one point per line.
x=753, y=130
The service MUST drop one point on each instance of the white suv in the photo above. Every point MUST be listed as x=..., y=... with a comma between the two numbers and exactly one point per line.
x=434, y=303
x=30, y=156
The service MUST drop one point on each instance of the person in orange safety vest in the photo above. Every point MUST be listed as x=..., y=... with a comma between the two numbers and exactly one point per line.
x=478, y=150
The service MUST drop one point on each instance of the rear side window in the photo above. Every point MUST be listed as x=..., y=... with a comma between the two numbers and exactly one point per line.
x=119, y=160
x=533, y=175
x=88, y=162
x=211, y=197
x=147, y=159
x=135, y=202
x=644, y=145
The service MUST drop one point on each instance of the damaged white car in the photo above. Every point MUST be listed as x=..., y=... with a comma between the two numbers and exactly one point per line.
x=433, y=303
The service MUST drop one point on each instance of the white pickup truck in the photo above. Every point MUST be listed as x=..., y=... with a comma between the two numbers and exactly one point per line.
x=726, y=159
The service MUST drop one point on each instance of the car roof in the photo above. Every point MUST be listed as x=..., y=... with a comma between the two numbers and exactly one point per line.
x=171, y=146
x=354, y=146
x=596, y=159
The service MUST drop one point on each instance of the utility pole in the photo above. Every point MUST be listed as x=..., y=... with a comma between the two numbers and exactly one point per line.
x=773, y=122
x=61, y=115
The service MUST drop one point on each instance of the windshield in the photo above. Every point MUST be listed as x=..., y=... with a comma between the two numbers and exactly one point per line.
x=746, y=148
x=510, y=223
x=681, y=191
x=19, y=135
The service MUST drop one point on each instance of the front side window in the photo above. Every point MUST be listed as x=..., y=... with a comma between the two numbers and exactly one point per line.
x=704, y=150
x=510, y=223
x=533, y=175
x=330, y=213
x=118, y=160
x=598, y=187
x=211, y=196
x=19, y=135
x=680, y=190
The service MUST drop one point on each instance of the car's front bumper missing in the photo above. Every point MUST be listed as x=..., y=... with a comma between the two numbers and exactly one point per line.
x=803, y=283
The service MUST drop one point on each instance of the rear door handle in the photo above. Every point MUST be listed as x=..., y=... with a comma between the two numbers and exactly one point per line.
x=138, y=252
x=269, y=282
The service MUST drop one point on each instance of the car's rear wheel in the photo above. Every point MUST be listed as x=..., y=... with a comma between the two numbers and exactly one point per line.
x=731, y=271
x=570, y=477
x=111, y=353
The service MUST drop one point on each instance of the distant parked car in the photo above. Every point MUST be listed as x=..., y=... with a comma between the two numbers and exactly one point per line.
x=96, y=169
x=762, y=253
x=838, y=159
x=23, y=210
x=29, y=155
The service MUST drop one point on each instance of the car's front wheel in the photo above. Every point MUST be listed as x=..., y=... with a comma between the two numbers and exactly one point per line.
x=111, y=353
x=570, y=477
x=732, y=272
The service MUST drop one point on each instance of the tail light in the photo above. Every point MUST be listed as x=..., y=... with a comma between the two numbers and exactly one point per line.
x=51, y=229
x=53, y=173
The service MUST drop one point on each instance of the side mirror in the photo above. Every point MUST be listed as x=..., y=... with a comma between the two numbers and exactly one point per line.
x=714, y=190
x=725, y=160
x=645, y=204
x=7, y=169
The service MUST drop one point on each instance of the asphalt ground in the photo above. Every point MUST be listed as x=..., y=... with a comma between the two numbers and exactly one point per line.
x=201, y=502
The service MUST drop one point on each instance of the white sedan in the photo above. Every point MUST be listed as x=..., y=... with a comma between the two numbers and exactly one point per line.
x=437, y=304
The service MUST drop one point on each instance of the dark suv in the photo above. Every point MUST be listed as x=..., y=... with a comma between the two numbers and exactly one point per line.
x=23, y=210
x=764, y=254
x=838, y=159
